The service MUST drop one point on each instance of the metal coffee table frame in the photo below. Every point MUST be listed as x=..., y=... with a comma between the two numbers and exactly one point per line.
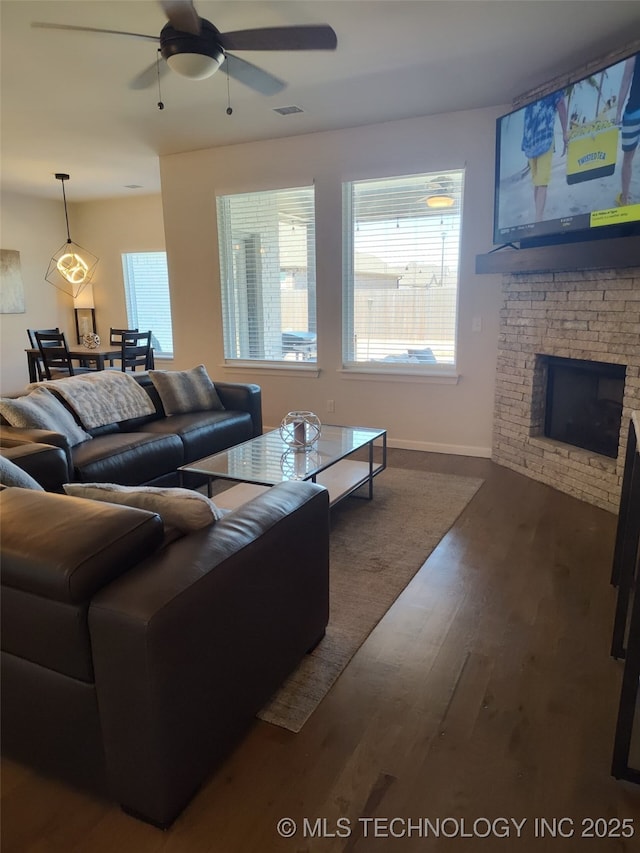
x=267, y=460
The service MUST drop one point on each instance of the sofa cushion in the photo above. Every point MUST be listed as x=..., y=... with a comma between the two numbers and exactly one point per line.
x=127, y=458
x=183, y=509
x=183, y=391
x=42, y=410
x=205, y=433
x=12, y=475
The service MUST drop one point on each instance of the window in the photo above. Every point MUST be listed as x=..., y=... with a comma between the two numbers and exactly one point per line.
x=400, y=280
x=146, y=285
x=267, y=269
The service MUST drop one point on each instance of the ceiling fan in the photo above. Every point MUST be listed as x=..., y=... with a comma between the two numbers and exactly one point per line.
x=195, y=48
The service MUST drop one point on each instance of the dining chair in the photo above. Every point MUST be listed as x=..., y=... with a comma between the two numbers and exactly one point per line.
x=31, y=333
x=116, y=337
x=136, y=351
x=54, y=353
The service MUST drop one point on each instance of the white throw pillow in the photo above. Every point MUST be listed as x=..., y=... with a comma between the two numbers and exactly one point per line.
x=183, y=509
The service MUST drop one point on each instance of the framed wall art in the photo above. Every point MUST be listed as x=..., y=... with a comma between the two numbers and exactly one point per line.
x=11, y=286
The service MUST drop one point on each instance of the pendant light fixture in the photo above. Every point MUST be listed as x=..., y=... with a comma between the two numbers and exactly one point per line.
x=71, y=268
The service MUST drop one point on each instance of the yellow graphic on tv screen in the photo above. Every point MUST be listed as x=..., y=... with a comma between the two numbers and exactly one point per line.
x=592, y=151
x=614, y=215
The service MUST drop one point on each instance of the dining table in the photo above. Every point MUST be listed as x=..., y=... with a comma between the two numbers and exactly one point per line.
x=100, y=355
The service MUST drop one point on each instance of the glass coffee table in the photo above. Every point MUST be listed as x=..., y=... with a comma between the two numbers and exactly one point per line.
x=267, y=460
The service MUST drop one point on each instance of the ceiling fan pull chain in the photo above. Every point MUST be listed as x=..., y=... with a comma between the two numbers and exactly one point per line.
x=229, y=108
x=160, y=101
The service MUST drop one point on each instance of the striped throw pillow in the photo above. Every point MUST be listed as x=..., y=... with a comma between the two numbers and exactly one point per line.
x=183, y=391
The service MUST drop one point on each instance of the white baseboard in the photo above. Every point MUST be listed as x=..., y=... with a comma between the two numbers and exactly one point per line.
x=434, y=447
x=430, y=446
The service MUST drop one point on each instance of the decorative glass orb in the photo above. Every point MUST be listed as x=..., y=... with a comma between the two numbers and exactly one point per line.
x=91, y=340
x=300, y=430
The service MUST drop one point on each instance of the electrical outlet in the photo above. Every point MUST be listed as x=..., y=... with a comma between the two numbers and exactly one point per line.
x=476, y=324
x=331, y=405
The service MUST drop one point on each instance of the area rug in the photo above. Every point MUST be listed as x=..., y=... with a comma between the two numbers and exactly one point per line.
x=376, y=548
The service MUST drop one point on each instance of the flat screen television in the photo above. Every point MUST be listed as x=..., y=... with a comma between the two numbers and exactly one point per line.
x=565, y=164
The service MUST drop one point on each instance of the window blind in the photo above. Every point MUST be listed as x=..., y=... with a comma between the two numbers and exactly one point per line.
x=401, y=244
x=267, y=269
x=146, y=282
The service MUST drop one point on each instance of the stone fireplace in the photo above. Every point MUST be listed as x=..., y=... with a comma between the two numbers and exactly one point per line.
x=591, y=317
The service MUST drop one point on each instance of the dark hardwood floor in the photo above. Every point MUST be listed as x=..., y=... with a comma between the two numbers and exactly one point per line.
x=486, y=694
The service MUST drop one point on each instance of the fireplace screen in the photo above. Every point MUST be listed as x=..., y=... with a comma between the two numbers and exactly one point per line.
x=584, y=404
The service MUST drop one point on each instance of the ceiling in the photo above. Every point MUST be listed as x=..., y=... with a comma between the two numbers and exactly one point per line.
x=66, y=104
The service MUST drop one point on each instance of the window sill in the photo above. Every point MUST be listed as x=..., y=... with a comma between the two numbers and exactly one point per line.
x=446, y=376
x=275, y=368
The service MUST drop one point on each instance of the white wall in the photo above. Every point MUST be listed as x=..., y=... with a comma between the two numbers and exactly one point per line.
x=36, y=229
x=110, y=228
x=417, y=413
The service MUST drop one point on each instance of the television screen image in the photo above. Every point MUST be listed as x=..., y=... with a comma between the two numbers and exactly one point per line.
x=568, y=163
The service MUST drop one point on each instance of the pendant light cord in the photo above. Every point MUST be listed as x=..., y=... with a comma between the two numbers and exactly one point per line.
x=66, y=215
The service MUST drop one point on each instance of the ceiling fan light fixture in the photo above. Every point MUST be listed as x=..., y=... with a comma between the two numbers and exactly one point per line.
x=71, y=268
x=438, y=202
x=194, y=56
x=195, y=66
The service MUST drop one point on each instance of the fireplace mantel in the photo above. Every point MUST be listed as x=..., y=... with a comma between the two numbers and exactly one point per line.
x=618, y=253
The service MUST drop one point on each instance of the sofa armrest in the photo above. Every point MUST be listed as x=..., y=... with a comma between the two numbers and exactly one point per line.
x=44, y=462
x=10, y=436
x=192, y=643
x=243, y=398
x=65, y=548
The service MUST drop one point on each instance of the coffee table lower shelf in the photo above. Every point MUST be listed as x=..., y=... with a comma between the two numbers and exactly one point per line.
x=341, y=480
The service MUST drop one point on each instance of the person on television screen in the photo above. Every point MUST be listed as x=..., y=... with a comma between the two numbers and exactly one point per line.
x=538, y=142
x=629, y=85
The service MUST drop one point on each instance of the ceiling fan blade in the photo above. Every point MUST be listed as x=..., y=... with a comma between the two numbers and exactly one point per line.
x=149, y=77
x=255, y=78
x=305, y=37
x=182, y=15
x=93, y=30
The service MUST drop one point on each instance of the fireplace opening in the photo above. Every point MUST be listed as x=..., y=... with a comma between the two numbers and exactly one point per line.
x=584, y=403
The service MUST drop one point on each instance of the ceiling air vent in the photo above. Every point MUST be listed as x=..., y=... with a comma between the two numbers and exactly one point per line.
x=287, y=111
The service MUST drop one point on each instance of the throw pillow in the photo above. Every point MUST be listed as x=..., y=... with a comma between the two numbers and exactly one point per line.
x=183, y=509
x=42, y=410
x=13, y=475
x=183, y=391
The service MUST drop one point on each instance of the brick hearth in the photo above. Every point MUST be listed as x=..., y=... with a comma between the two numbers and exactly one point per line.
x=592, y=315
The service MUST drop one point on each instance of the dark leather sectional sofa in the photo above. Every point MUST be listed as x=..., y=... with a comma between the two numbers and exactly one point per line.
x=147, y=451
x=131, y=669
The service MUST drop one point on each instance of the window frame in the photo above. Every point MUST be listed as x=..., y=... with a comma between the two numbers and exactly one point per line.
x=446, y=372
x=232, y=306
